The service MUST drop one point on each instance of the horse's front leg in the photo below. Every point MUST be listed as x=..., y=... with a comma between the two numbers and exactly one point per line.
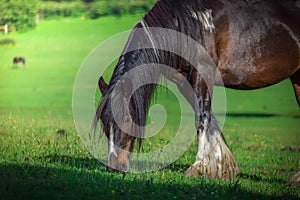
x=214, y=159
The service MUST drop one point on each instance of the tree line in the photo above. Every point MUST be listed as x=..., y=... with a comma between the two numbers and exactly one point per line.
x=22, y=15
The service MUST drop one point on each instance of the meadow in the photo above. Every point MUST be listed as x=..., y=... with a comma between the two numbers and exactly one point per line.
x=39, y=161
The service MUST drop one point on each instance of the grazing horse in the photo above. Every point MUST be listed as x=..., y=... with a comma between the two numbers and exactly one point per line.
x=251, y=44
x=17, y=60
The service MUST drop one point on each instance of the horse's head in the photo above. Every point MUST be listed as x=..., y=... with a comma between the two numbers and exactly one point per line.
x=114, y=113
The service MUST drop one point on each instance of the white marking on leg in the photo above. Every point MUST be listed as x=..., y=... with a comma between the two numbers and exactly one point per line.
x=111, y=147
x=218, y=152
x=208, y=144
x=203, y=142
x=205, y=18
x=205, y=125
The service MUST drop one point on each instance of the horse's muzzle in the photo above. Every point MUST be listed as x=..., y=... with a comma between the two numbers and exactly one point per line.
x=118, y=163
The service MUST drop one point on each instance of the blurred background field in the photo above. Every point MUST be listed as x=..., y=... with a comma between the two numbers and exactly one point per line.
x=38, y=160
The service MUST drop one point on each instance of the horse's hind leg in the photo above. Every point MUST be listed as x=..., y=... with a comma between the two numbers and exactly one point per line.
x=214, y=159
x=295, y=78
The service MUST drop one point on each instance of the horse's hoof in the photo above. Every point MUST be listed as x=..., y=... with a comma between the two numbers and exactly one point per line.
x=193, y=171
x=226, y=172
x=215, y=161
x=294, y=180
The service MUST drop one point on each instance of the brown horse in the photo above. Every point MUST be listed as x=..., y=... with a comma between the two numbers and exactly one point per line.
x=252, y=44
x=17, y=60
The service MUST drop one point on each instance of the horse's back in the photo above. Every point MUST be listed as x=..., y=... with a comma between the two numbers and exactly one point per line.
x=257, y=42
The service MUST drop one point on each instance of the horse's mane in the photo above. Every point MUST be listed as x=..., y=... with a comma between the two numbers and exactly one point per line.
x=180, y=15
x=176, y=15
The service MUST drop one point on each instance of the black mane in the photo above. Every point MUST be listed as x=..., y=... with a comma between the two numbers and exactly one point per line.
x=170, y=14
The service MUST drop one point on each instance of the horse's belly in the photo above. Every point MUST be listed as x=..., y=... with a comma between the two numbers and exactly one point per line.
x=251, y=65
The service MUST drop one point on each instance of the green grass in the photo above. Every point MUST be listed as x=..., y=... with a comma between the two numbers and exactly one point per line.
x=262, y=129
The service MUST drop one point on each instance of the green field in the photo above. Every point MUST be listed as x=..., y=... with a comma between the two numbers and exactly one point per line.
x=262, y=129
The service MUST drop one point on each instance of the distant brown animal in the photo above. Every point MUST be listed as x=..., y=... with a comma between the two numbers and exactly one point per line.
x=17, y=60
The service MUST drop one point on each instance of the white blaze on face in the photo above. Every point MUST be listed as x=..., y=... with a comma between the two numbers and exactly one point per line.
x=205, y=18
x=111, y=146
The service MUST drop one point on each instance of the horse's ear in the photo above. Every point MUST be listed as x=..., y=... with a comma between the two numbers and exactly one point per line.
x=102, y=85
x=126, y=87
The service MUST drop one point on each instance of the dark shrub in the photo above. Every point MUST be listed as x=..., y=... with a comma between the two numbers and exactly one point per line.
x=52, y=9
x=7, y=41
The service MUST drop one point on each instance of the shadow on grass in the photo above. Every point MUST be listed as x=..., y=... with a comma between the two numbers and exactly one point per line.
x=94, y=164
x=80, y=178
x=86, y=163
x=259, y=115
x=258, y=178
